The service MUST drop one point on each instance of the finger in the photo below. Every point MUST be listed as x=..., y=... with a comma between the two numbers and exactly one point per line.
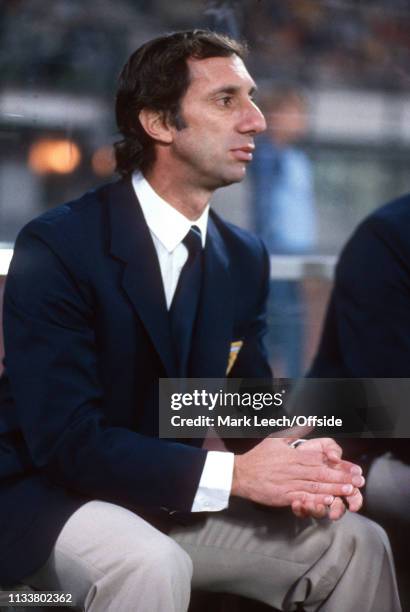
x=333, y=451
x=353, y=470
x=326, y=473
x=348, y=466
x=297, y=509
x=337, y=509
x=355, y=501
x=333, y=455
x=323, y=488
x=303, y=510
x=317, y=511
x=309, y=507
x=304, y=498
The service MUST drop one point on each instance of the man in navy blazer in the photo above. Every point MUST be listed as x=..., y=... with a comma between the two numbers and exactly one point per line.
x=88, y=490
x=367, y=335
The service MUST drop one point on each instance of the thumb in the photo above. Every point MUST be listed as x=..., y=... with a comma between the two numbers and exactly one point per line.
x=332, y=450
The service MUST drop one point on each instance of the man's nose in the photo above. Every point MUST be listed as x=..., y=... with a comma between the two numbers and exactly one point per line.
x=253, y=120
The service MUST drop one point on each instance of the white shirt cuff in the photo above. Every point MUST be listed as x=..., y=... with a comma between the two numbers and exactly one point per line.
x=216, y=482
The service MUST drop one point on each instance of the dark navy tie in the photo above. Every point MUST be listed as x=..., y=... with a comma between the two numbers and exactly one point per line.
x=186, y=298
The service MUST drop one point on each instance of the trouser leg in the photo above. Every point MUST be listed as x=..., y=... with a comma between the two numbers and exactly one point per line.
x=111, y=560
x=286, y=562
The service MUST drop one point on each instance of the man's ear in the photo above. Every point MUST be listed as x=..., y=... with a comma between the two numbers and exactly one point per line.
x=156, y=124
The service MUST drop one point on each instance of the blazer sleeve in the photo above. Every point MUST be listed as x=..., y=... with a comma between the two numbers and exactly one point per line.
x=51, y=361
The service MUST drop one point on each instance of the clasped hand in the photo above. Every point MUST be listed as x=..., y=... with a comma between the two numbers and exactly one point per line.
x=332, y=455
x=313, y=478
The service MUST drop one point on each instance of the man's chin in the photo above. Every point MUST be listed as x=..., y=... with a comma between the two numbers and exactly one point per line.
x=234, y=177
x=229, y=177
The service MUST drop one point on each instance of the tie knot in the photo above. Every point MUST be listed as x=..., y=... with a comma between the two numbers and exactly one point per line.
x=193, y=240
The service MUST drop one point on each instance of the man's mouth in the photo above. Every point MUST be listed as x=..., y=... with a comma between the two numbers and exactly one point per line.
x=243, y=153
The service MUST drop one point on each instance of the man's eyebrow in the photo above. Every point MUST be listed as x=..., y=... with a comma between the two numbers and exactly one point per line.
x=232, y=89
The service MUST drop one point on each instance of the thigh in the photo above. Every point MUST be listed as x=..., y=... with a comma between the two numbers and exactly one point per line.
x=97, y=540
x=262, y=553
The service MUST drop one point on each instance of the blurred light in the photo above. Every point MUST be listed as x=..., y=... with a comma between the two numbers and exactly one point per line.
x=59, y=156
x=103, y=162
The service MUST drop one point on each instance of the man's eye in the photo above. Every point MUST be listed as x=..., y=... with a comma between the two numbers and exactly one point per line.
x=225, y=101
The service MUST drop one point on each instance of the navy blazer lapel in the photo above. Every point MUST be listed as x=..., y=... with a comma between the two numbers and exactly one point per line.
x=131, y=242
x=213, y=328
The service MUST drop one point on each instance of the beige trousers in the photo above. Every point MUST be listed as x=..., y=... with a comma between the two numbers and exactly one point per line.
x=111, y=560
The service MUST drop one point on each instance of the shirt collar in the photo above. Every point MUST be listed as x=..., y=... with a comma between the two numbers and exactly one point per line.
x=168, y=225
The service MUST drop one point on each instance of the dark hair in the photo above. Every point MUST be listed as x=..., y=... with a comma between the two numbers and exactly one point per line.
x=156, y=76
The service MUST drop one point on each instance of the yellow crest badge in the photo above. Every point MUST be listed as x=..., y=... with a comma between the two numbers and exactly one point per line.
x=233, y=354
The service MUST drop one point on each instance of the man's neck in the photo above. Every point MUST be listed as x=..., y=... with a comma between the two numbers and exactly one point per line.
x=188, y=200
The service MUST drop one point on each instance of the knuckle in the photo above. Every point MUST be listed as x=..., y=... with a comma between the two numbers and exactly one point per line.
x=319, y=457
x=315, y=487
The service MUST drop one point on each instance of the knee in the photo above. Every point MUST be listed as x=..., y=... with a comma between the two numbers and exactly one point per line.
x=166, y=561
x=365, y=535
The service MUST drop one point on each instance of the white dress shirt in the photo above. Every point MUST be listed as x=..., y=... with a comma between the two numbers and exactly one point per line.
x=168, y=228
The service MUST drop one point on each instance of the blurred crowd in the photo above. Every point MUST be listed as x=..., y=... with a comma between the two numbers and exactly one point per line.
x=333, y=42
x=74, y=44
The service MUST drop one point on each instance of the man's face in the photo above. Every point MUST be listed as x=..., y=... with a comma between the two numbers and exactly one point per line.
x=221, y=121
